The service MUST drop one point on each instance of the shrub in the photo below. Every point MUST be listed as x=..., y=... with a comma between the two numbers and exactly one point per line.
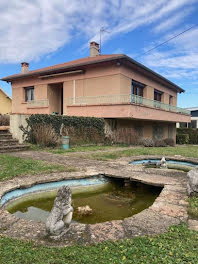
x=192, y=132
x=160, y=143
x=44, y=135
x=182, y=138
x=4, y=120
x=147, y=142
x=169, y=142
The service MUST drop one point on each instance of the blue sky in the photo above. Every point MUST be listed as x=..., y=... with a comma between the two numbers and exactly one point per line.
x=44, y=33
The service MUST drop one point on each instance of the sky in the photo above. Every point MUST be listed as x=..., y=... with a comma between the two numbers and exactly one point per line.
x=45, y=33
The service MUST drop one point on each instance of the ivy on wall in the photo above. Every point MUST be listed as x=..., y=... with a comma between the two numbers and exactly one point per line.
x=77, y=126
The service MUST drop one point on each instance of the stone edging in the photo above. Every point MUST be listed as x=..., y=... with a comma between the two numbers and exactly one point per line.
x=168, y=209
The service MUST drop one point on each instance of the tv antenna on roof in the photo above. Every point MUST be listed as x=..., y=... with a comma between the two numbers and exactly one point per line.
x=102, y=30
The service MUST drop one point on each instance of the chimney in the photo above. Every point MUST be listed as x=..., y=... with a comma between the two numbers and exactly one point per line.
x=94, y=49
x=24, y=67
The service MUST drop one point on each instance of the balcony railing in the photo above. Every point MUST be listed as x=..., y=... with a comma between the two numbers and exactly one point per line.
x=124, y=99
x=38, y=103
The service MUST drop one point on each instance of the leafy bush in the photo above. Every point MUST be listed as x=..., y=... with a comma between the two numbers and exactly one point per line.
x=192, y=133
x=147, y=142
x=182, y=139
x=169, y=142
x=4, y=120
x=160, y=143
x=80, y=129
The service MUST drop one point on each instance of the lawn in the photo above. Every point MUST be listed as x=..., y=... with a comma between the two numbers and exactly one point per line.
x=78, y=148
x=185, y=151
x=193, y=207
x=178, y=246
x=11, y=167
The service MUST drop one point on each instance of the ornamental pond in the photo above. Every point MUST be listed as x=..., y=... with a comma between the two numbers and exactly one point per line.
x=108, y=198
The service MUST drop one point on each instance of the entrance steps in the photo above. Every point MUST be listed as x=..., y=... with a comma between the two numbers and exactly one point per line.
x=7, y=143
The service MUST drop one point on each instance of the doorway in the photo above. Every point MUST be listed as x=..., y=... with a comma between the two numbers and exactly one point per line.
x=55, y=97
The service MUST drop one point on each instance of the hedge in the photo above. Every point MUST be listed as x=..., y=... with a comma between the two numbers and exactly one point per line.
x=84, y=128
x=191, y=132
x=182, y=138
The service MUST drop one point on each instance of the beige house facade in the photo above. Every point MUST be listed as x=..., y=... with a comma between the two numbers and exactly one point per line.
x=114, y=87
x=5, y=103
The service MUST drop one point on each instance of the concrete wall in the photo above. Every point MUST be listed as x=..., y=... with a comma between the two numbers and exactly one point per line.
x=126, y=111
x=16, y=121
x=5, y=104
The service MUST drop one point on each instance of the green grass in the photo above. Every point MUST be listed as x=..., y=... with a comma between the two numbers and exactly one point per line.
x=178, y=246
x=14, y=166
x=77, y=148
x=193, y=207
x=185, y=151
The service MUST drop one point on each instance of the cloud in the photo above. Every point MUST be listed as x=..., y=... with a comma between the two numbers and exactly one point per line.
x=172, y=21
x=178, y=60
x=31, y=29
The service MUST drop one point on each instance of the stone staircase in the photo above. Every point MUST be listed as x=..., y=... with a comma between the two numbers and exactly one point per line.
x=7, y=143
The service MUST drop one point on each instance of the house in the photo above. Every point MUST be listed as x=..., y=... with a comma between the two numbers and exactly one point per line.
x=194, y=119
x=114, y=87
x=5, y=103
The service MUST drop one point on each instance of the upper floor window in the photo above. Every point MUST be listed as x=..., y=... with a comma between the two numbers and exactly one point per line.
x=137, y=88
x=157, y=95
x=170, y=99
x=29, y=93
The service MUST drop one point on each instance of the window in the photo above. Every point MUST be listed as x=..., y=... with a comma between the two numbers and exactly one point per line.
x=29, y=93
x=137, y=88
x=157, y=95
x=170, y=99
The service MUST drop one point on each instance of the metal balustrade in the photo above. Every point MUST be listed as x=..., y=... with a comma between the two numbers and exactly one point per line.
x=123, y=99
x=38, y=103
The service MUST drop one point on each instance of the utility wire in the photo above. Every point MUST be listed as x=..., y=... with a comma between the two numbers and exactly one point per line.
x=166, y=41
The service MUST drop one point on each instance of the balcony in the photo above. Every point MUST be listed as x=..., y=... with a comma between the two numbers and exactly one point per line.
x=38, y=103
x=124, y=99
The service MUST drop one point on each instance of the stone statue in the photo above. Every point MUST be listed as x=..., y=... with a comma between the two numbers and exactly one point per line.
x=192, y=185
x=59, y=220
x=163, y=163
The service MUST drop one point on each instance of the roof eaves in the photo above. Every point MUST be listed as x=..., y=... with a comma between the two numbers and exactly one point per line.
x=155, y=73
x=33, y=73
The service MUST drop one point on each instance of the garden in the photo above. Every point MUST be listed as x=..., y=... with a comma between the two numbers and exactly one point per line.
x=164, y=234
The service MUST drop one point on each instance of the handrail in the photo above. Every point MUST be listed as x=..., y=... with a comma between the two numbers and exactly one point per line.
x=124, y=98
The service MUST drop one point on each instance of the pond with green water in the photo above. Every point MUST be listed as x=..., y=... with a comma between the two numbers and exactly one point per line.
x=111, y=201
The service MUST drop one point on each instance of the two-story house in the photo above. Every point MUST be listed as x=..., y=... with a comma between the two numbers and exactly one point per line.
x=114, y=87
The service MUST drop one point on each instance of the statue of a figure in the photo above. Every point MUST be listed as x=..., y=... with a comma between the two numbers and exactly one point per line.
x=60, y=217
x=163, y=163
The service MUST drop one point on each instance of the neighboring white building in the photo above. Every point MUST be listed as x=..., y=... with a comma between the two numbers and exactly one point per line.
x=194, y=119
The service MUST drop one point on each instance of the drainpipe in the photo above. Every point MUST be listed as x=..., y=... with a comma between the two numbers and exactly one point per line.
x=74, y=91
